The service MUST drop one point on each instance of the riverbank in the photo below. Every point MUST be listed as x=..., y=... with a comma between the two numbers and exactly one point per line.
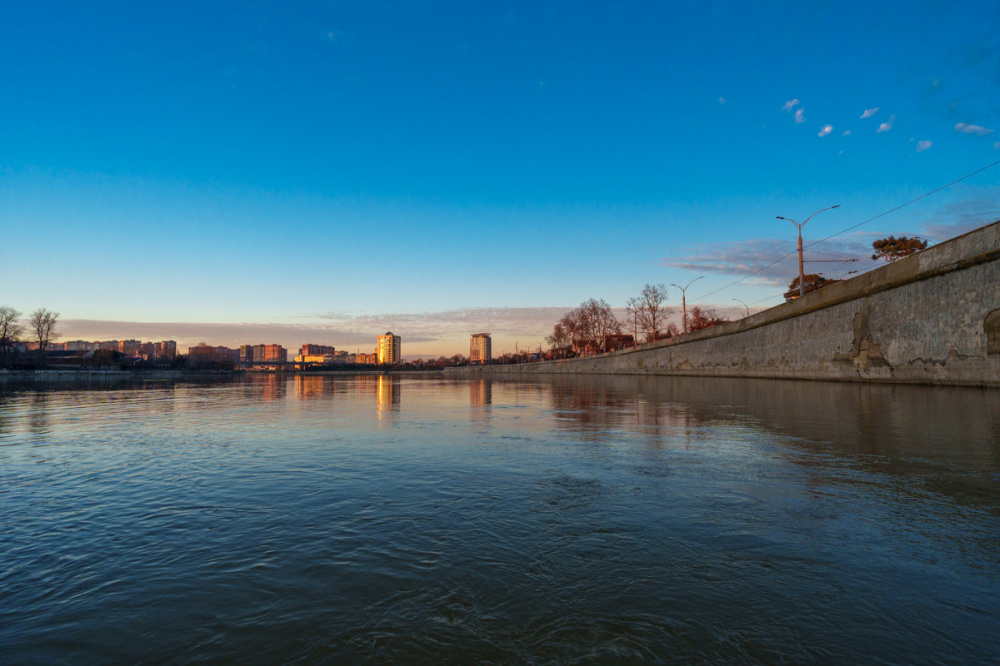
x=931, y=318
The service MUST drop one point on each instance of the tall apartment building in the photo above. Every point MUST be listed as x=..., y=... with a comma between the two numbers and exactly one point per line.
x=480, y=349
x=147, y=350
x=275, y=354
x=389, y=349
x=258, y=353
x=81, y=345
x=129, y=347
x=313, y=350
x=166, y=350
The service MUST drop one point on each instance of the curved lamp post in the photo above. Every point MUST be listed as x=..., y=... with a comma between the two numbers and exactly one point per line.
x=744, y=305
x=684, y=307
x=802, y=276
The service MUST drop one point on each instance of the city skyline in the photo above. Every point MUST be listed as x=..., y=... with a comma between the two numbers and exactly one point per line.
x=238, y=173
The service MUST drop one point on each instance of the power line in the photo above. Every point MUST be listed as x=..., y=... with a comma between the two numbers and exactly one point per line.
x=893, y=210
x=843, y=231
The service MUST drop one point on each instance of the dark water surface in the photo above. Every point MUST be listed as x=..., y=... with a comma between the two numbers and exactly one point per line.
x=426, y=520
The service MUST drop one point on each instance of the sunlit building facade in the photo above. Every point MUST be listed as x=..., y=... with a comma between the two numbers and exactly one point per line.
x=480, y=349
x=312, y=350
x=275, y=354
x=389, y=349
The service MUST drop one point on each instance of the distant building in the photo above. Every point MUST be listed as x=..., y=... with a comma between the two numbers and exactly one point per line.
x=317, y=359
x=275, y=354
x=82, y=345
x=480, y=349
x=110, y=345
x=204, y=352
x=618, y=341
x=365, y=359
x=129, y=347
x=389, y=349
x=246, y=353
x=311, y=350
x=258, y=353
x=147, y=350
x=166, y=350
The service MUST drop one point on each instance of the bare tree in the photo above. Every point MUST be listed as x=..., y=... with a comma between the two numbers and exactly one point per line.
x=632, y=311
x=586, y=326
x=10, y=330
x=42, y=323
x=652, y=316
x=599, y=321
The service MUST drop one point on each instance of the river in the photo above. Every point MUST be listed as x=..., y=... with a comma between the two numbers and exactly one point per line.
x=342, y=519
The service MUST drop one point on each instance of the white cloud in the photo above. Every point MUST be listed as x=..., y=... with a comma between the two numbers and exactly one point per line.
x=800, y=116
x=789, y=105
x=978, y=130
x=722, y=100
x=885, y=127
x=846, y=132
x=826, y=130
x=869, y=113
x=996, y=146
x=924, y=145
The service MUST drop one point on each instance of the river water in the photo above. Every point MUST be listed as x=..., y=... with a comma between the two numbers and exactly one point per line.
x=343, y=519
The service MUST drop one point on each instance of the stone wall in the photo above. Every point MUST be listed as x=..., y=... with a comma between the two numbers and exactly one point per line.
x=932, y=318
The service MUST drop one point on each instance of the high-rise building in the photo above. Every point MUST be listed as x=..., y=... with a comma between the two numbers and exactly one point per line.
x=258, y=353
x=389, y=349
x=129, y=347
x=81, y=345
x=312, y=350
x=275, y=354
x=480, y=349
x=166, y=350
x=147, y=350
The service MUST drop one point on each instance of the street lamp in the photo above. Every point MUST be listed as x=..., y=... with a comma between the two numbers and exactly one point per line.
x=684, y=307
x=744, y=305
x=802, y=275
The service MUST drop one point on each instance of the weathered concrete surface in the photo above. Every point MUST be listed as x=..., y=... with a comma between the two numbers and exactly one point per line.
x=932, y=318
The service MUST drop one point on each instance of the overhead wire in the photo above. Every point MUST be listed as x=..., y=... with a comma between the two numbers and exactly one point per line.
x=850, y=228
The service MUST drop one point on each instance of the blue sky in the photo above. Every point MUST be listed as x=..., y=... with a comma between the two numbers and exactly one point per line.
x=250, y=172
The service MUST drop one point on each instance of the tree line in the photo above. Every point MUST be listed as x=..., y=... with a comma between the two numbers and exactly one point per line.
x=592, y=327
x=40, y=327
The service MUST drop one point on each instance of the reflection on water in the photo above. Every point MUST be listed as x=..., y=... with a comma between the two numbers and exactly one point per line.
x=323, y=518
x=388, y=393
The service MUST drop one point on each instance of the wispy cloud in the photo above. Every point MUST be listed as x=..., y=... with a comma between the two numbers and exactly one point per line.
x=869, y=113
x=885, y=127
x=924, y=145
x=789, y=105
x=846, y=132
x=800, y=116
x=742, y=258
x=957, y=218
x=722, y=100
x=978, y=130
x=825, y=130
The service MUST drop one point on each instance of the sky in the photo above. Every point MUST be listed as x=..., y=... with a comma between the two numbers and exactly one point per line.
x=243, y=173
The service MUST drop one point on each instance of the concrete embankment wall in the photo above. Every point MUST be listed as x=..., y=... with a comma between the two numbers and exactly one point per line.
x=932, y=318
